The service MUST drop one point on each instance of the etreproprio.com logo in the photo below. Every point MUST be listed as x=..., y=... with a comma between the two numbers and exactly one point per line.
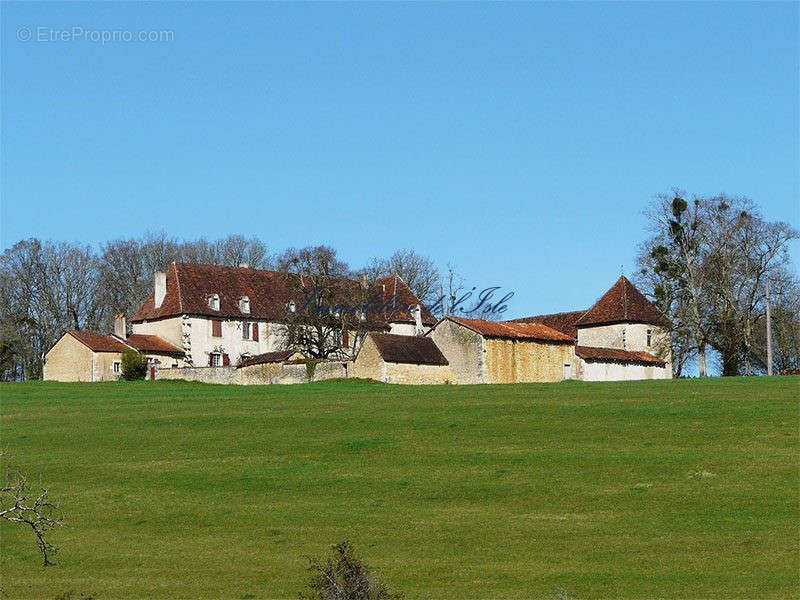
x=96, y=36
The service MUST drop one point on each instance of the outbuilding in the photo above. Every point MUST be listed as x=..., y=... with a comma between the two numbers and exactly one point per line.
x=480, y=351
x=406, y=359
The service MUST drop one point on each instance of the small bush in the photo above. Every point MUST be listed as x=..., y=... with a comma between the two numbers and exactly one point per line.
x=311, y=366
x=134, y=365
x=343, y=576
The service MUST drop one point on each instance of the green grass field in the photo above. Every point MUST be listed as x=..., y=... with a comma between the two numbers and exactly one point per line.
x=679, y=489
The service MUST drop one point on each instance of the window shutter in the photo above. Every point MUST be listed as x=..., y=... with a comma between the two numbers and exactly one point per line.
x=216, y=328
x=345, y=339
x=255, y=331
x=225, y=360
x=210, y=360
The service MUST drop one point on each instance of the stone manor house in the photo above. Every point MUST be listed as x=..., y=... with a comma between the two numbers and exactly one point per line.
x=229, y=325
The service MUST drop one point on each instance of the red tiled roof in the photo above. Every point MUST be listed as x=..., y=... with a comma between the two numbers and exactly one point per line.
x=510, y=330
x=395, y=287
x=563, y=321
x=189, y=287
x=622, y=303
x=408, y=349
x=267, y=357
x=98, y=342
x=615, y=355
x=151, y=343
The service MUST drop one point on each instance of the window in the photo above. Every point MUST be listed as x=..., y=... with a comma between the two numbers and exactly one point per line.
x=216, y=328
x=213, y=302
x=291, y=306
x=245, y=330
x=117, y=367
x=215, y=359
x=244, y=304
x=649, y=336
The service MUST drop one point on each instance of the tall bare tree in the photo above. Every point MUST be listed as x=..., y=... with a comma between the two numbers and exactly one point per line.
x=706, y=264
x=419, y=272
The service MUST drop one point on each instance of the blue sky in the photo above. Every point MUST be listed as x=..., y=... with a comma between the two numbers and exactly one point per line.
x=518, y=141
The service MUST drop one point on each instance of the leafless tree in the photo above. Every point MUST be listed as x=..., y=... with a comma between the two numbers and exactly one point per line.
x=706, y=265
x=344, y=576
x=419, y=272
x=36, y=512
x=325, y=298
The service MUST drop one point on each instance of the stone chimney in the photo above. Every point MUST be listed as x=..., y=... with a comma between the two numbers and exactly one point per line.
x=417, y=312
x=160, y=288
x=120, y=326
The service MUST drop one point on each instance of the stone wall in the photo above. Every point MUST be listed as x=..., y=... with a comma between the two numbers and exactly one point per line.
x=69, y=360
x=616, y=371
x=271, y=373
x=417, y=374
x=368, y=363
x=463, y=349
x=516, y=361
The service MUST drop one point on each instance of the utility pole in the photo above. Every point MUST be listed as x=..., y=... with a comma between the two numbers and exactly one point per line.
x=769, y=332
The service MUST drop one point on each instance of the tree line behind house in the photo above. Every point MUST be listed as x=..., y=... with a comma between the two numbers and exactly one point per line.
x=705, y=264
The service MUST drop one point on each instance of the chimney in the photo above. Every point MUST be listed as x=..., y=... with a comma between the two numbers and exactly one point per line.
x=364, y=281
x=160, y=288
x=120, y=326
x=244, y=265
x=417, y=312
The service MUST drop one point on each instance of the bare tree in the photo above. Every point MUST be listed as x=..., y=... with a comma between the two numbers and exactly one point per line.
x=706, y=266
x=324, y=311
x=35, y=512
x=344, y=576
x=419, y=272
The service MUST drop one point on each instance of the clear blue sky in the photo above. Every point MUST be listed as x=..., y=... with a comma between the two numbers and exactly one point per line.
x=518, y=141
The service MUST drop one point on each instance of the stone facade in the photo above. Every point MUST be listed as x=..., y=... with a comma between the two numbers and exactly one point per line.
x=464, y=350
x=625, y=336
x=475, y=358
x=518, y=361
x=262, y=374
x=69, y=360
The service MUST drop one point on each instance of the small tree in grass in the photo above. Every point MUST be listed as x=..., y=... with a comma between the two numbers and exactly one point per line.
x=343, y=576
x=134, y=365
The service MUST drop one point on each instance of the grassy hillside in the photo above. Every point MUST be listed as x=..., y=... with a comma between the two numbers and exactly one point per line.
x=627, y=490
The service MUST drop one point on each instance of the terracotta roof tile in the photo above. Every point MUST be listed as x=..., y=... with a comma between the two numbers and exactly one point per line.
x=622, y=303
x=394, y=287
x=616, y=355
x=98, y=342
x=511, y=330
x=563, y=321
x=189, y=287
x=151, y=343
x=408, y=349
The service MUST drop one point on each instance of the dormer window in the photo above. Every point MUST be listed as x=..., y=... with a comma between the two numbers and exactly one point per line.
x=362, y=315
x=213, y=302
x=244, y=304
x=291, y=306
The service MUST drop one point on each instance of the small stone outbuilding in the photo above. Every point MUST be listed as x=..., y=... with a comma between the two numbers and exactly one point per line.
x=89, y=356
x=392, y=358
x=490, y=352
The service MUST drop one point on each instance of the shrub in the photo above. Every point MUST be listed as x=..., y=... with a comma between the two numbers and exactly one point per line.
x=134, y=365
x=311, y=366
x=343, y=576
